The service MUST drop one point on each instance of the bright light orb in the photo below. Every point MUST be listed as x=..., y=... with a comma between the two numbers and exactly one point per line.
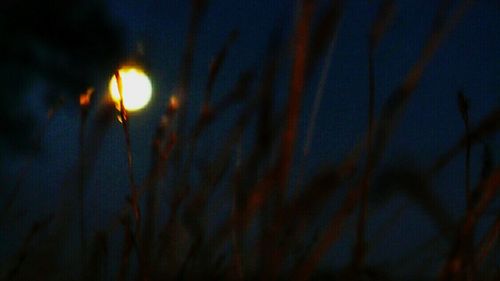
x=136, y=88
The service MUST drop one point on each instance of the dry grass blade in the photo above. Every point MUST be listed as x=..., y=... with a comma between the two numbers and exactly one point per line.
x=487, y=162
x=200, y=199
x=325, y=32
x=126, y=250
x=385, y=14
x=279, y=174
x=23, y=252
x=168, y=252
x=181, y=91
x=196, y=205
x=124, y=120
x=217, y=63
x=460, y=264
x=266, y=92
x=463, y=106
x=311, y=199
x=321, y=187
x=163, y=143
x=235, y=203
x=487, y=126
x=151, y=213
x=96, y=265
x=303, y=208
x=63, y=218
x=259, y=160
x=133, y=199
x=488, y=242
x=487, y=190
x=395, y=104
x=390, y=112
x=297, y=81
x=321, y=87
x=238, y=93
x=249, y=170
x=198, y=10
x=23, y=172
x=329, y=235
x=214, y=175
x=12, y=198
x=241, y=219
x=105, y=116
x=415, y=185
x=84, y=99
x=382, y=20
x=384, y=230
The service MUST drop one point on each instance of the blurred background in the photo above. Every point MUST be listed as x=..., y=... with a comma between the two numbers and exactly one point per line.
x=52, y=52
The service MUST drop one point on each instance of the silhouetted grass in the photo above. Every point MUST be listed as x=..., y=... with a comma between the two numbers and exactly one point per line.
x=261, y=227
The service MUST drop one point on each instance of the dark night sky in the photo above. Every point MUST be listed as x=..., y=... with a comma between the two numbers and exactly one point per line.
x=468, y=59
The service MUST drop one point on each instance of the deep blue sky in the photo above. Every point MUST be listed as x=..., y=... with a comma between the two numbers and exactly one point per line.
x=468, y=59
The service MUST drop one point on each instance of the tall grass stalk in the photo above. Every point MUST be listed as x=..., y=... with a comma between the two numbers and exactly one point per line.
x=224, y=211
